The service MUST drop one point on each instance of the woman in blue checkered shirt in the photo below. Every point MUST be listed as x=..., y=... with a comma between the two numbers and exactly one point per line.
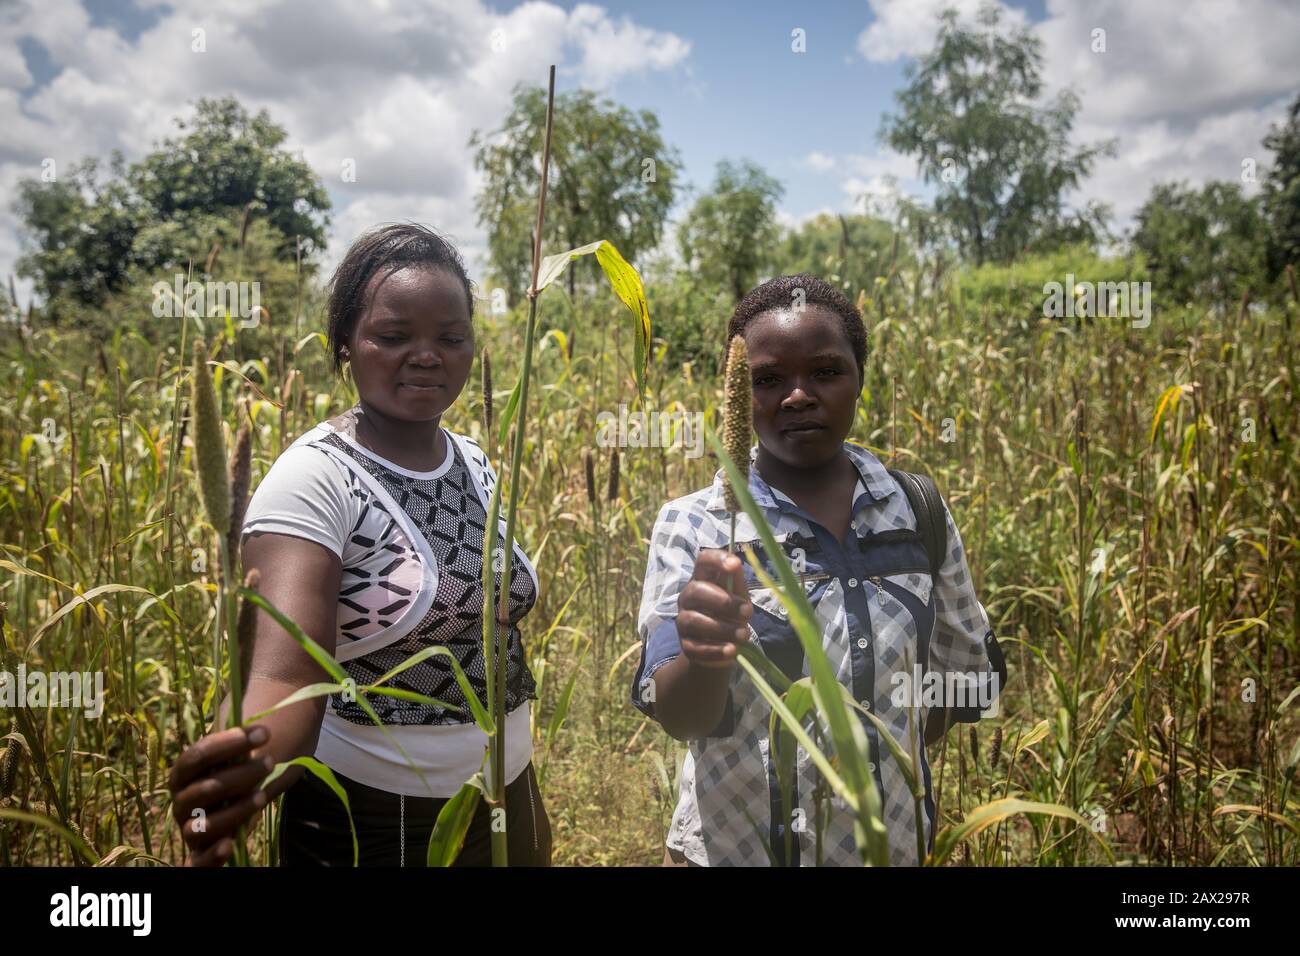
x=849, y=530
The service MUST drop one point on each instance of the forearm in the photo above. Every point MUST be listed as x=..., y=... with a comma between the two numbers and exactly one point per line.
x=294, y=730
x=690, y=699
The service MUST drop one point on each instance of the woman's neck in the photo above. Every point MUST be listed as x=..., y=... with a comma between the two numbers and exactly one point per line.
x=417, y=446
x=797, y=482
x=825, y=492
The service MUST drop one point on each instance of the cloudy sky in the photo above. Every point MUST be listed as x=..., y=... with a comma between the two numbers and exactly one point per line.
x=1189, y=87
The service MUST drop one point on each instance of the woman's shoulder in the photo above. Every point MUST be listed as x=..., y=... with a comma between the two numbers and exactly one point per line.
x=691, y=521
x=466, y=439
x=306, y=455
x=475, y=455
x=875, y=476
x=305, y=493
x=306, y=471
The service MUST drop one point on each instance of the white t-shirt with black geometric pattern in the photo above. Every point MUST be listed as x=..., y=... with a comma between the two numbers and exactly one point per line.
x=410, y=544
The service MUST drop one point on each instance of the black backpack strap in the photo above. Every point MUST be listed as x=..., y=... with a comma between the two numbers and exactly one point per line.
x=932, y=525
x=931, y=521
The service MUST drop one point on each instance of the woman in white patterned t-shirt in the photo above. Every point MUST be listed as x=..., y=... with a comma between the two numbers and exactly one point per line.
x=368, y=531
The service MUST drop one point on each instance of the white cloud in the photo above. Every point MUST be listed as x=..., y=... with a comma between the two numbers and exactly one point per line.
x=1171, y=59
x=395, y=85
x=885, y=162
x=610, y=51
x=819, y=162
x=1188, y=89
x=1213, y=148
x=906, y=28
x=878, y=179
x=792, y=220
x=451, y=218
x=870, y=182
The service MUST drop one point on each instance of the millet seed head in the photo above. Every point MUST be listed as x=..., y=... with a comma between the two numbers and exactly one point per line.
x=8, y=769
x=487, y=392
x=613, y=476
x=241, y=467
x=737, y=416
x=75, y=827
x=209, y=443
x=246, y=622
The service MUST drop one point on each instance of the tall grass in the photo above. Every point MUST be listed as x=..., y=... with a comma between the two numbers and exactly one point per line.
x=1127, y=497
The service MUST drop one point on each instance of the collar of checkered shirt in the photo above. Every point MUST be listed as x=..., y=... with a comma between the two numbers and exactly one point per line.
x=872, y=476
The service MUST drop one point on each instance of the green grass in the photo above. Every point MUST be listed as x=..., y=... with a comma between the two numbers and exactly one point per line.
x=1137, y=571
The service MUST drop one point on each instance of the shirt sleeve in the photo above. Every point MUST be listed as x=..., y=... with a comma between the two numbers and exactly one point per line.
x=489, y=476
x=304, y=495
x=963, y=641
x=673, y=550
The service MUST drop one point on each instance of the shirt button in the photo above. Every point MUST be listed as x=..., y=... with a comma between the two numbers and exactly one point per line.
x=862, y=643
x=866, y=704
x=871, y=767
x=783, y=612
x=853, y=582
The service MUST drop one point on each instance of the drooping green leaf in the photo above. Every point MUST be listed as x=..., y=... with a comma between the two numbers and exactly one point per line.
x=627, y=285
x=990, y=814
x=49, y=823
x=326, y=776
x=848, y=738
x=453, y=822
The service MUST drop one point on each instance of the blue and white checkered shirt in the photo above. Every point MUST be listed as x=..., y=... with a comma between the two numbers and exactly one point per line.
x=880, y=612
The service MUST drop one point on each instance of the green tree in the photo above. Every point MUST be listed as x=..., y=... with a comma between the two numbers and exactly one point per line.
x=690, y=315
x=1001, y=164
x=846, y=250
x=1206, y=243
x=226, y=160
x=611, y=177
x=730, y=234
x=1281, y=193
x=79, y=230
x=88, y=234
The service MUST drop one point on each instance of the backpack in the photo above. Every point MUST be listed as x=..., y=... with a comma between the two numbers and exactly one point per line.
x=932, y=527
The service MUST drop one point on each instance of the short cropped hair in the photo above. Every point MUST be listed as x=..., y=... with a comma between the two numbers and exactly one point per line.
x=780, y=293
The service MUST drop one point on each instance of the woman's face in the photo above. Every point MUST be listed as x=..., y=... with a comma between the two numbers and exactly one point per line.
x=806, y=383
x=413, y=348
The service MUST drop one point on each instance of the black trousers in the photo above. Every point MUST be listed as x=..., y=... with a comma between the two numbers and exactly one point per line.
x=393, y=830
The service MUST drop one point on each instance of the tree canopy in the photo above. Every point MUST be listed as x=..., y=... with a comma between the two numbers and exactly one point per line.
x=1281, y=193
x=1002, y=164
x=611, y=177
x=1201, y=243
x=847, y=250
x=730, y=234
x=87, y=233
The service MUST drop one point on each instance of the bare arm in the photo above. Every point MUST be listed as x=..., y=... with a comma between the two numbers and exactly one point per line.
x=301, y=579
x=220, y=775
x=691, y=691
